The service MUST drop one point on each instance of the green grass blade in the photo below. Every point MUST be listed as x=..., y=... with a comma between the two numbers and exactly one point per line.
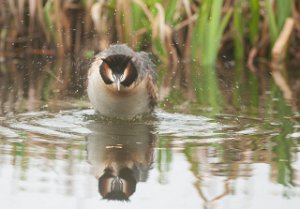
x=283, y=11
x=238, y=32
x=271, y=20
x=254, y=21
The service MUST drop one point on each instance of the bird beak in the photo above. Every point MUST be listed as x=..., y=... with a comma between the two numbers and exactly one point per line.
x=118, y=78
x=117, y=184
x=118, y=82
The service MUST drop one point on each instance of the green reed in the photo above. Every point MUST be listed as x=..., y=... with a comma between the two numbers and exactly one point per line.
x=206, y=42
x=273, y=27
x=283, y=10
x=133, y=26
x=208, y=31
x=276, y=15
x=238, y=28
x=254, y=21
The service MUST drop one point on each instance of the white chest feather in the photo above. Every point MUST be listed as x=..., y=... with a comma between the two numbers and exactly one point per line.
x=117, y=104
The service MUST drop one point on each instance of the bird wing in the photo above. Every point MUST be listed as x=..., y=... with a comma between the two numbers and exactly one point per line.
x=152, y=90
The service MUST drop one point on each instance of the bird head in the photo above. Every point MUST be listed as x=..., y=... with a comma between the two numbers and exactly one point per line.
x=118, y=70
x=117, y=186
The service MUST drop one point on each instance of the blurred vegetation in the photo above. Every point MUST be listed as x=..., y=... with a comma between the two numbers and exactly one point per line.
x=192, y=38
x=185, y=30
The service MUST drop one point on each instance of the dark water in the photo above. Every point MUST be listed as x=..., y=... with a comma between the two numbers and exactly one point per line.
x=55, y=153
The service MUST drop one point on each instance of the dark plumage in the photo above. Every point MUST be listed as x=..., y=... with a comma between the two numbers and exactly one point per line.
x=117, y=64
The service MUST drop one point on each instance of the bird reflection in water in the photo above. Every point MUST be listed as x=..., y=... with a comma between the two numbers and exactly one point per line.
x=121, y=155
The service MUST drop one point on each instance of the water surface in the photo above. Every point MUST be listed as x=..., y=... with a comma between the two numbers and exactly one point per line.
x=55, y=152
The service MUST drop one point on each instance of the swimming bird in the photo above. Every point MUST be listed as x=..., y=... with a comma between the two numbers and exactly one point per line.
x=122, y=83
